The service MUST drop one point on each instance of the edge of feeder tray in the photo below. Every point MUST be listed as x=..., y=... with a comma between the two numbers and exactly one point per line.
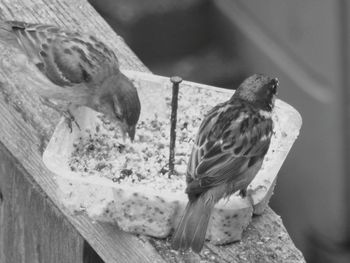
x=140, y=210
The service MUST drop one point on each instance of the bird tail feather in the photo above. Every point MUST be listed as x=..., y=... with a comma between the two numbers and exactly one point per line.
x=193, y=226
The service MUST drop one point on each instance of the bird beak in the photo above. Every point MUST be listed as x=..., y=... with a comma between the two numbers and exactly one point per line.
x=126, y=129
x=131, y=131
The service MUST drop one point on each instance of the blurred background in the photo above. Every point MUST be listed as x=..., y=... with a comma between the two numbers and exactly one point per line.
x=305, y=43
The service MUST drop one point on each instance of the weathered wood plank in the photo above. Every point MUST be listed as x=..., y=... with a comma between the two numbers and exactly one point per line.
x=265, y=240
x=26, y=126
x=30, y=223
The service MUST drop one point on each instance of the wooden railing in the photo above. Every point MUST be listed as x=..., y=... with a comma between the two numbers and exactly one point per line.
x=34, y=226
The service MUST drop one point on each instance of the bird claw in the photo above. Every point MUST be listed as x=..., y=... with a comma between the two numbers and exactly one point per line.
x=70, y=120
x=245, y=193
x=66, y=113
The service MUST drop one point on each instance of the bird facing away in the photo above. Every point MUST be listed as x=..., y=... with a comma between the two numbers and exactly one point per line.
x=228, y=151
x=77, y=69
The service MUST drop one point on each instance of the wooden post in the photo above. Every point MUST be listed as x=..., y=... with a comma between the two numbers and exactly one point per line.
x=34, y=226
x=344, y=54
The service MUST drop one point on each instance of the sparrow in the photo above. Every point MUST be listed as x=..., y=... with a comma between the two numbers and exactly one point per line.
x=75, y=69
x=228, y=151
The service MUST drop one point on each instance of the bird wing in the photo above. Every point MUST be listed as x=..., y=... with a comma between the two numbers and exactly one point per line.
x=66, y=58
x=231, y=139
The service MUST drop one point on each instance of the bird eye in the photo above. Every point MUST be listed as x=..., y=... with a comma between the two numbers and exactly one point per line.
x=274, y=86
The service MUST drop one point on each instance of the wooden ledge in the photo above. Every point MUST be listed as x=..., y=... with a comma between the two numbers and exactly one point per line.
x=34, y=227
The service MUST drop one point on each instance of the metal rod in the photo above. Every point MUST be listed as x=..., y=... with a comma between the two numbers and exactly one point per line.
x=174, y=103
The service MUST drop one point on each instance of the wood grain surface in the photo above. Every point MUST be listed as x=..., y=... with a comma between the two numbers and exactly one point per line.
x=34, y=226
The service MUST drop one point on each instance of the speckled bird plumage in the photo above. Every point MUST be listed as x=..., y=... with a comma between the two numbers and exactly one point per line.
x=84, y=71
x=228, y=151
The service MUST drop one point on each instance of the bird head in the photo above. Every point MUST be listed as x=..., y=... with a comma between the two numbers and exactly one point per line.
x=121, y=104
x=258, y=89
